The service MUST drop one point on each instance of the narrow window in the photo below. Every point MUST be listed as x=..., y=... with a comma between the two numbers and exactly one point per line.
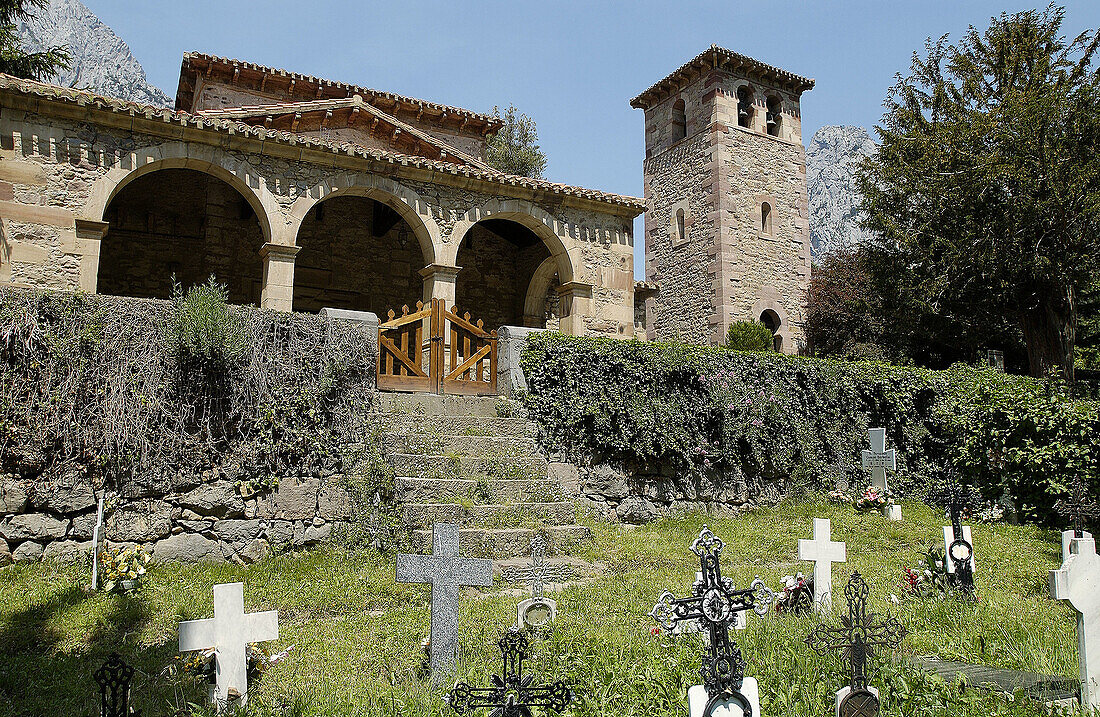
x=775, y=115
x=679, y=120
x=771, y=320
x=766, y=218
x=681, y=229
x=744, y=107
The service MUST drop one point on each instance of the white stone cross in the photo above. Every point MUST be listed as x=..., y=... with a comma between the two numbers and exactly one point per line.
x=1078, y=581
x=229, y=632
x=878, y=459
x=447, y=572
x=823, y=551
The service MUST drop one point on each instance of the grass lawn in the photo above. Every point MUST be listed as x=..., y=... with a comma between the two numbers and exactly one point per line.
x=357, y=632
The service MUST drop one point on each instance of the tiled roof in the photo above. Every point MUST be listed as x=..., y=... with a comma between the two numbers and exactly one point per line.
x=356, y=101
x=84, y=98
x=183, y=95
x=715, y=56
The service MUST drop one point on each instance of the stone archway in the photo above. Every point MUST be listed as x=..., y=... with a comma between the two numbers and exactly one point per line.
x=168, y=223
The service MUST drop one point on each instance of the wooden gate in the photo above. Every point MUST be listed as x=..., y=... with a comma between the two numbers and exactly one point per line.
x=435, y=349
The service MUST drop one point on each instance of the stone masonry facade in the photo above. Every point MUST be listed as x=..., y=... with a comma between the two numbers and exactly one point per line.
x=727, y=233
x=68, y=159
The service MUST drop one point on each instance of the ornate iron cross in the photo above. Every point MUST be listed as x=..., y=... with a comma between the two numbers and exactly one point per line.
x=512, y=694
x=113, y=678
x=857, y=638
x=538, y=573
x=715, y=603
x=960, y=552
x=1077, y=508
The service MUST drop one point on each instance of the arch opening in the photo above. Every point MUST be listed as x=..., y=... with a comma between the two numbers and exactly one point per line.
x=182, y=223
x=508, y=276
x=679, y=120
x=744, y=107
x=771, y=320
x=766, y=218
x=775, y=115
x=356, y=253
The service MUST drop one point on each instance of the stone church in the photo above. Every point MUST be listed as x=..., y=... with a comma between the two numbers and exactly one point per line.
x=300, y=193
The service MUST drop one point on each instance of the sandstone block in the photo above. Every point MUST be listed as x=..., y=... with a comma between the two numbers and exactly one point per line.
x=187, y=548
x=313, y=534
x=566, y=474
x=28, y=552
x=219, y=499
x=140, y=522
x=280, y=533
x=235, y=531
x=256, y=550
x=636, y=510
x=83, y=526
x=34, y=526
x=13, y=499
x=65, y=497
x=606, y=481
x=67, y=551
x=296, y=498
x=335, y=503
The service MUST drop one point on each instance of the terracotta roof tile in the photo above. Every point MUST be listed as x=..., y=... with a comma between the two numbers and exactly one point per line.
x=84, y=98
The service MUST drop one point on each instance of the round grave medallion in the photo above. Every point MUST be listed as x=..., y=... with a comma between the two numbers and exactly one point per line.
x=859, y=703
x=961, y=551
x=537, y=614
x=716, y=605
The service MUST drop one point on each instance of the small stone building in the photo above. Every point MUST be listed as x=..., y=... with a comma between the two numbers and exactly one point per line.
x=300, y=193
x=726, y=224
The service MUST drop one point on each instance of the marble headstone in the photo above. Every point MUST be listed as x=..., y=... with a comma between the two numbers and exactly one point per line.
x=1078, y=581
x=823, y=551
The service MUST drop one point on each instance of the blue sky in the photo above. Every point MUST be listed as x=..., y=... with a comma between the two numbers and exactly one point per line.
x=571, y=66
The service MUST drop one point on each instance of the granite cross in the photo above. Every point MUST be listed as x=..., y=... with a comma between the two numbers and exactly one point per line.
x=447, y=572
x=1078, y=581
x=229, y=632
x=823, y=551
x=512, y=693
x=714, y=604
x=878, y=459
x=537, y=611
x=1076, y=509
x=857, y=638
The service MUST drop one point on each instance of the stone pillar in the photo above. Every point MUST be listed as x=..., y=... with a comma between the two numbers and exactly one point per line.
x=439, y=282
x=89, y=233
x=278, y=289
x=576, y=306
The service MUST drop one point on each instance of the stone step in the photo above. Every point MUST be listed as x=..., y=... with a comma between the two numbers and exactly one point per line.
x=422, y=516
x=458, y=425
x=435, y=490
x=430, y=404
x=409, y=465
x=425, y=443
x=500, y=543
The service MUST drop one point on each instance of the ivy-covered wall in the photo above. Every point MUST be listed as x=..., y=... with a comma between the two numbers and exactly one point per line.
x=653, y=426
x=213, y=432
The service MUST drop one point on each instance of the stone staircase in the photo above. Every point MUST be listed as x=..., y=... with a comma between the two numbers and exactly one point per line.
x=473, y=460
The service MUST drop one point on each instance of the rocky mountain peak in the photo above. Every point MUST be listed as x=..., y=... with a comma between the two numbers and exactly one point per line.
x=832, y=158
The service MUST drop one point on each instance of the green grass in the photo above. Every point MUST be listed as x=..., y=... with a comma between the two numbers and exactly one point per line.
x=357, y=632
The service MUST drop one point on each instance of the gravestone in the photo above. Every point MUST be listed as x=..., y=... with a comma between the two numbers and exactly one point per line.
x=823, y=551
x=714, y=604
x=537, y=611
x=1078, y=581
x=229, y=632
x=447, y=572
x=958, y=546
x=97, y=539
x=857, y=639
x=512, y=694
x=114, y=677
x=1076, y=509
x=878, y=460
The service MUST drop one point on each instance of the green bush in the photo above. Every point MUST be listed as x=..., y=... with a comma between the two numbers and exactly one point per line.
x=749, y=336
x=720, y=415
x=203, y=330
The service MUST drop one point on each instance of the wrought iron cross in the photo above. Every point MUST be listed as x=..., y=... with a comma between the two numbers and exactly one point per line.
x=960, y=552
x=511, y=694
x=113, y=678
x=1077, y=508
x=538, y=573
x=715, y=603
x=857, y=638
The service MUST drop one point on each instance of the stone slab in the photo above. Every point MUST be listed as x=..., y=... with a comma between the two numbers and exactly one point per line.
x=1046, y=688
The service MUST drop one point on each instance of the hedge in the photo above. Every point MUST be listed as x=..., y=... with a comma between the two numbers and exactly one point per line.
x=761, y=417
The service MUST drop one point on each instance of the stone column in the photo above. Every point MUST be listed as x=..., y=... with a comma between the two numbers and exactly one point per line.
x=576, y=306
x=89, y=234
x=439, y=282
x=278, y=289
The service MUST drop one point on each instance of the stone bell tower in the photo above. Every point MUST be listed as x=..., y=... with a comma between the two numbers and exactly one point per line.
x=726, y=223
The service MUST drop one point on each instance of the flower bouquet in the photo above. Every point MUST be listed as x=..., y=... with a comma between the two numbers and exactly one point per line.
x=797, y=595
x=201, y=663
x=124, y=568
x=872, y=499
x=930, y=577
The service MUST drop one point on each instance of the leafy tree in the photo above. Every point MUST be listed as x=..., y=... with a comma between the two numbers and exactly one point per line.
x=985, y=192
x=14, y=59
x=844, y=313
x=749, y=336
x=514, y=148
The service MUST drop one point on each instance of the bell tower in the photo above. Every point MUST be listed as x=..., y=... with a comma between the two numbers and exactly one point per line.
x=726, y=223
